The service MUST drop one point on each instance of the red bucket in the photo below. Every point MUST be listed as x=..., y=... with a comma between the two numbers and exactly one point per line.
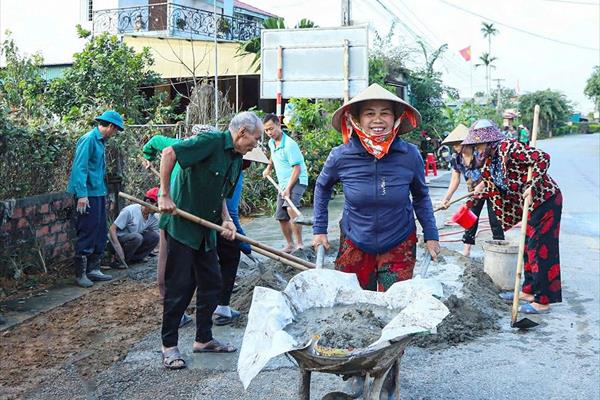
x=465, y=217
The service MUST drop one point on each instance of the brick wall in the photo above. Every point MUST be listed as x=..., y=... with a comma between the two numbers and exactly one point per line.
x=44, y=222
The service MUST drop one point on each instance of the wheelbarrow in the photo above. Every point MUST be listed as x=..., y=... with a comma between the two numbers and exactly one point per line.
x=374, y=365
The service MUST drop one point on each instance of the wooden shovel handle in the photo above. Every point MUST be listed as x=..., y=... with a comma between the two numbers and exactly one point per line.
x=286, y=198
x=218, y=228
x=524, y=217
x=454, y=201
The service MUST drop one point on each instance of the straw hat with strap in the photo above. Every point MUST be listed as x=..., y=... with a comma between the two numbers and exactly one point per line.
x=409, y=115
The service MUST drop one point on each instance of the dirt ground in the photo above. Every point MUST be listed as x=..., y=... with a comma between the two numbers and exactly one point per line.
x=88, y=334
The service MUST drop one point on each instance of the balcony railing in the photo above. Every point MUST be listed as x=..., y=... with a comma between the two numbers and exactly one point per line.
x=174, y=20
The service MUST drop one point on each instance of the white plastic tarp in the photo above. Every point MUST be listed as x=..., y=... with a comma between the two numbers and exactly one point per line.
x=271, y=311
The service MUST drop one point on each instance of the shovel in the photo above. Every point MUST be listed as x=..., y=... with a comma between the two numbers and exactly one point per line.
x=524, y=323
x=260, y=248
x=299, y=217
x=454, y=201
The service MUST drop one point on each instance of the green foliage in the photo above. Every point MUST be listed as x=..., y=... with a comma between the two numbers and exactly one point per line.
x=593, y=128
x=21, y=83
x=555, y=109
x=311, y=127
x=106, y=74
x=469, y=112
x=507, y=98
x=592, y=87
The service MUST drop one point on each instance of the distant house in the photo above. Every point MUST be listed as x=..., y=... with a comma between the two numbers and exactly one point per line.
x=180, y=34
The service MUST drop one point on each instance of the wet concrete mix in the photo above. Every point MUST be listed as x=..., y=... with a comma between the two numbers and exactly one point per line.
x=473, y=313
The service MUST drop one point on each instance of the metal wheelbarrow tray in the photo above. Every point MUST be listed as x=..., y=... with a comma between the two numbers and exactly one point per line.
x=371, y=363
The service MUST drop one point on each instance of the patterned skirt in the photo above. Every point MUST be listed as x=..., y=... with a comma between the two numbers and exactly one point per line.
x=542, y=259
x=378, y=271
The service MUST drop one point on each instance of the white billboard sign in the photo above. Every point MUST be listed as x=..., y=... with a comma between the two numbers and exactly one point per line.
x=314, y=63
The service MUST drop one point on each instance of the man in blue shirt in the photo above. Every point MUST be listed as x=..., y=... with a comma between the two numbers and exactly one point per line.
x=292, y=177
x=87, y=184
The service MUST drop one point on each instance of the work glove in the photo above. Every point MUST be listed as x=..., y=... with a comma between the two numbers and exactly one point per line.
x=82, y=205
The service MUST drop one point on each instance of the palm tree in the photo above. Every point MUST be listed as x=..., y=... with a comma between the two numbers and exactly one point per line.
x=487, y=61
x=488, y=31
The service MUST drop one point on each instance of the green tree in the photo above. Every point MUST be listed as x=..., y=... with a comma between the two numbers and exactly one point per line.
x=487, y=61
x=507, y=98
x=488, y=31
x=106, y=74
x=592, y=87
x=21, y=83
x=555, y=109
x=469, y=112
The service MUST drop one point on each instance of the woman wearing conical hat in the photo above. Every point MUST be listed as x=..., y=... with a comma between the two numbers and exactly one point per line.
x=380, y=173
x=504, y=164
x=462, y=164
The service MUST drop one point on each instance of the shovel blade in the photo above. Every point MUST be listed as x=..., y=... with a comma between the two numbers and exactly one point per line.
x=303, y=221
x=524, y=323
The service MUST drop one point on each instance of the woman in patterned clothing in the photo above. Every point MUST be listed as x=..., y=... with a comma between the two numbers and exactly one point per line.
x=504, y=164
x=462, y=165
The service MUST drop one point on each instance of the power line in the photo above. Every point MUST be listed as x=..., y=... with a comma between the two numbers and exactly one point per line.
x=583, y=3
x=518, y=29
x=425, y=42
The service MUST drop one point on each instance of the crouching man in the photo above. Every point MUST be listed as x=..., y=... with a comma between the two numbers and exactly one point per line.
x=134, y=234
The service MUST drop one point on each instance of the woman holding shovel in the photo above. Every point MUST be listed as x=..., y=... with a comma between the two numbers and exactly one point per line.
x=504, y=164
x=380, y=173
x=462, y=164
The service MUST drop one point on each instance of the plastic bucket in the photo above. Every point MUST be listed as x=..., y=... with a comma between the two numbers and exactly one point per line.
x=465, y=217
x=500, y=260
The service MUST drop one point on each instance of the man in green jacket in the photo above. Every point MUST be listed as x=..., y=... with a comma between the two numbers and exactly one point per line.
x=210, y=167
x=87, y=184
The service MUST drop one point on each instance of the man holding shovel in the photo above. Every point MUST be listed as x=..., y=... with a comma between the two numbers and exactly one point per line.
x=210, y=167
x=292, y=177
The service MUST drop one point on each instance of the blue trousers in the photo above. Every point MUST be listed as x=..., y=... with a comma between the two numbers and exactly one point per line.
x=91, y=228
x=233, y=205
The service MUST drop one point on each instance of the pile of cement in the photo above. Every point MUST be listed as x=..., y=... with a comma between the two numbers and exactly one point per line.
x=342, y=327
x=472, y=314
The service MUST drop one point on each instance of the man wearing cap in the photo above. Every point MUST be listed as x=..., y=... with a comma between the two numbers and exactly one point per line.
x=87, y=184
x=134, y=233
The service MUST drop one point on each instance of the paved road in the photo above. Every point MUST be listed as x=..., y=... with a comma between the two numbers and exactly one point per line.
x=558, y=360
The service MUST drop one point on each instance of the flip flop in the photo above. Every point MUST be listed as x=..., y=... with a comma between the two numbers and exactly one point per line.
x=169, y=358
x=508, y=297
x=530, y=309
x=214, y=346
x=221, y=320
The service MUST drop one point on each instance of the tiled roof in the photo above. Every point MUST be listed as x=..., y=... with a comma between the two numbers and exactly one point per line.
x=248, y=7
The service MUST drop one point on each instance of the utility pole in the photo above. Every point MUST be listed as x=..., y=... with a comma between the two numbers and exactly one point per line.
x=216, y=68
x=346, y=8
x=498, y=80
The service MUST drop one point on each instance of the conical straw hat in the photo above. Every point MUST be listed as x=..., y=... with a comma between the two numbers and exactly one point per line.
x=376, y=92
x=256, y=154
x=457, y=135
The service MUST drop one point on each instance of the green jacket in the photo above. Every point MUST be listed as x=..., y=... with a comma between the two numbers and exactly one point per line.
x=209, y=172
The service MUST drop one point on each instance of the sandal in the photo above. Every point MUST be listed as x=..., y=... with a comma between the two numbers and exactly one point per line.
x=221, y=320
x=214, y=346
x=530, y=309
x=170, y=358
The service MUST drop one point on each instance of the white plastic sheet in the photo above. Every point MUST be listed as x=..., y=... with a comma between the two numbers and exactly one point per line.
x=271, y=311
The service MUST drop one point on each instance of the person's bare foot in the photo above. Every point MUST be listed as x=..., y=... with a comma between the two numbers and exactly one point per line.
x=540, y=307
x=288, y=248
x=526, y=297
x=467, y=250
